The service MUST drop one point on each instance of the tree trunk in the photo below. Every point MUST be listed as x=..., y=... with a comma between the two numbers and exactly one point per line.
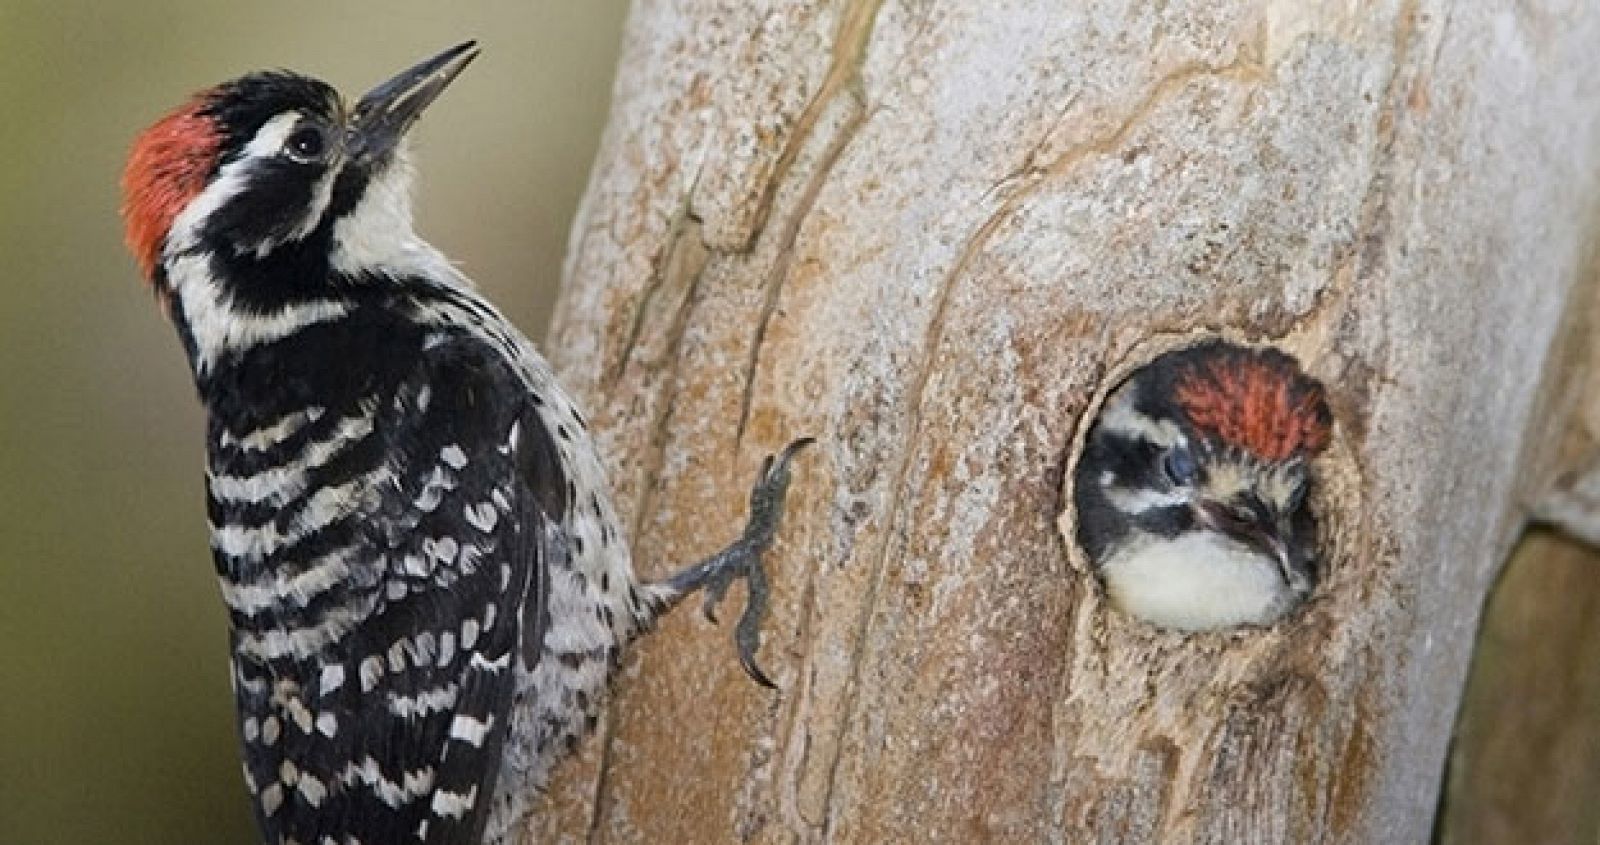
x=933, y=236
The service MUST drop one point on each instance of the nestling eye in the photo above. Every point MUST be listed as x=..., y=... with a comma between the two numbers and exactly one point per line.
x=307, y=144
x=1179, y=466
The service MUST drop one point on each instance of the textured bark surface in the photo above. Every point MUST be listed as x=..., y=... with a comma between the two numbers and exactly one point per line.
x=933, y=235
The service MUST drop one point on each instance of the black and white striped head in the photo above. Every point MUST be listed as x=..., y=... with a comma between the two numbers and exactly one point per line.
x=1192, y=490
x=257, y=195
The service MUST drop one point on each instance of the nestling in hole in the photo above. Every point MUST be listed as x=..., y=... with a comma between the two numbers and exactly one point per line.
x=1192, y=493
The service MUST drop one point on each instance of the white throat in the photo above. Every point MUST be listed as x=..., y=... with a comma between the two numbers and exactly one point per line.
x=219, y=327
x=378, y=234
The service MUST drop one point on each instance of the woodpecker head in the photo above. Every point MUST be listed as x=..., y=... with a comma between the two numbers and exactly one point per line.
x=1192, y=490
x=258, y=194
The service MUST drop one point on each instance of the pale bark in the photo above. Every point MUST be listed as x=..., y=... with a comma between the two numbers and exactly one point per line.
x=929, y=234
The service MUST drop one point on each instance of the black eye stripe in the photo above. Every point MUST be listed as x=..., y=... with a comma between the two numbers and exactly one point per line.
x=1131, y=461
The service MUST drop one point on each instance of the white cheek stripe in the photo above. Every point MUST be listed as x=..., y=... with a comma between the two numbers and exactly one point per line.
x=1119, y=417
x=321, y=195
x=267, y=143
x=216, y=325
x=1140, y=501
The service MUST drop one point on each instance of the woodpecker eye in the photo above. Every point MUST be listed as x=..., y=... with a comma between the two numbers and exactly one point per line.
x=1179, y=466
x=307, y=144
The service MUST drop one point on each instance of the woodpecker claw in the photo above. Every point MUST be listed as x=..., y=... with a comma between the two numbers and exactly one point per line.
x=747, y=634
x=744, y=559
x=766, y=512
x=716, y=588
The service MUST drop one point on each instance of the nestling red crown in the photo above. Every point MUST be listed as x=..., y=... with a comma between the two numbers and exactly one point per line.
x=166, y=170
x=1255, y=399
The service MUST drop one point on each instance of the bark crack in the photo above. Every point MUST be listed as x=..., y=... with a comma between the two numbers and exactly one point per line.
x=661, y=275
x=691, y=266
x=591, y=832
x=842, y=79
x=773, y=285
x=844, y=73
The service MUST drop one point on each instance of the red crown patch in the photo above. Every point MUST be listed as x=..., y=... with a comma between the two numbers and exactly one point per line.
x=167, y=169
x=1257, y=400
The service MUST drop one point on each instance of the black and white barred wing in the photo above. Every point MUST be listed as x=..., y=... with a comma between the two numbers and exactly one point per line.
x=396, y=730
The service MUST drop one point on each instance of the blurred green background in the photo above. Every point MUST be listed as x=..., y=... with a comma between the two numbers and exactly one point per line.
x=115, y=712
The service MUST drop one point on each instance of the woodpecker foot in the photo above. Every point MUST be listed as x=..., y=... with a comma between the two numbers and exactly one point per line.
x=743, y=559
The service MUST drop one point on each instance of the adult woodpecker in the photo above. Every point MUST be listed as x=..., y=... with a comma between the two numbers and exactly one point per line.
x=425, y=578
x=1192, y=490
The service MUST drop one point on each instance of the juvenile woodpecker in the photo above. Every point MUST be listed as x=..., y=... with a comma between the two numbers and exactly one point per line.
x=1192, y=490
x=425, y=578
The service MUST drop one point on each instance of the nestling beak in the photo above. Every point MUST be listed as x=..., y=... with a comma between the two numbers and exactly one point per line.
x=1253, y=532
x=382, y=117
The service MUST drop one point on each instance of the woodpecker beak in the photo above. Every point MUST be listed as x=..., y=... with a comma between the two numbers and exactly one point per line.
x=382, y=117
x=1253, y=533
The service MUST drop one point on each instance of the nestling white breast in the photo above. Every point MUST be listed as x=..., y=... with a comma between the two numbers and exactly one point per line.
x=1197, y=581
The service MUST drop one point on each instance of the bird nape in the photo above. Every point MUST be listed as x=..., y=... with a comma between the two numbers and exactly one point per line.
x=1192, y=490
x=426, y=581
